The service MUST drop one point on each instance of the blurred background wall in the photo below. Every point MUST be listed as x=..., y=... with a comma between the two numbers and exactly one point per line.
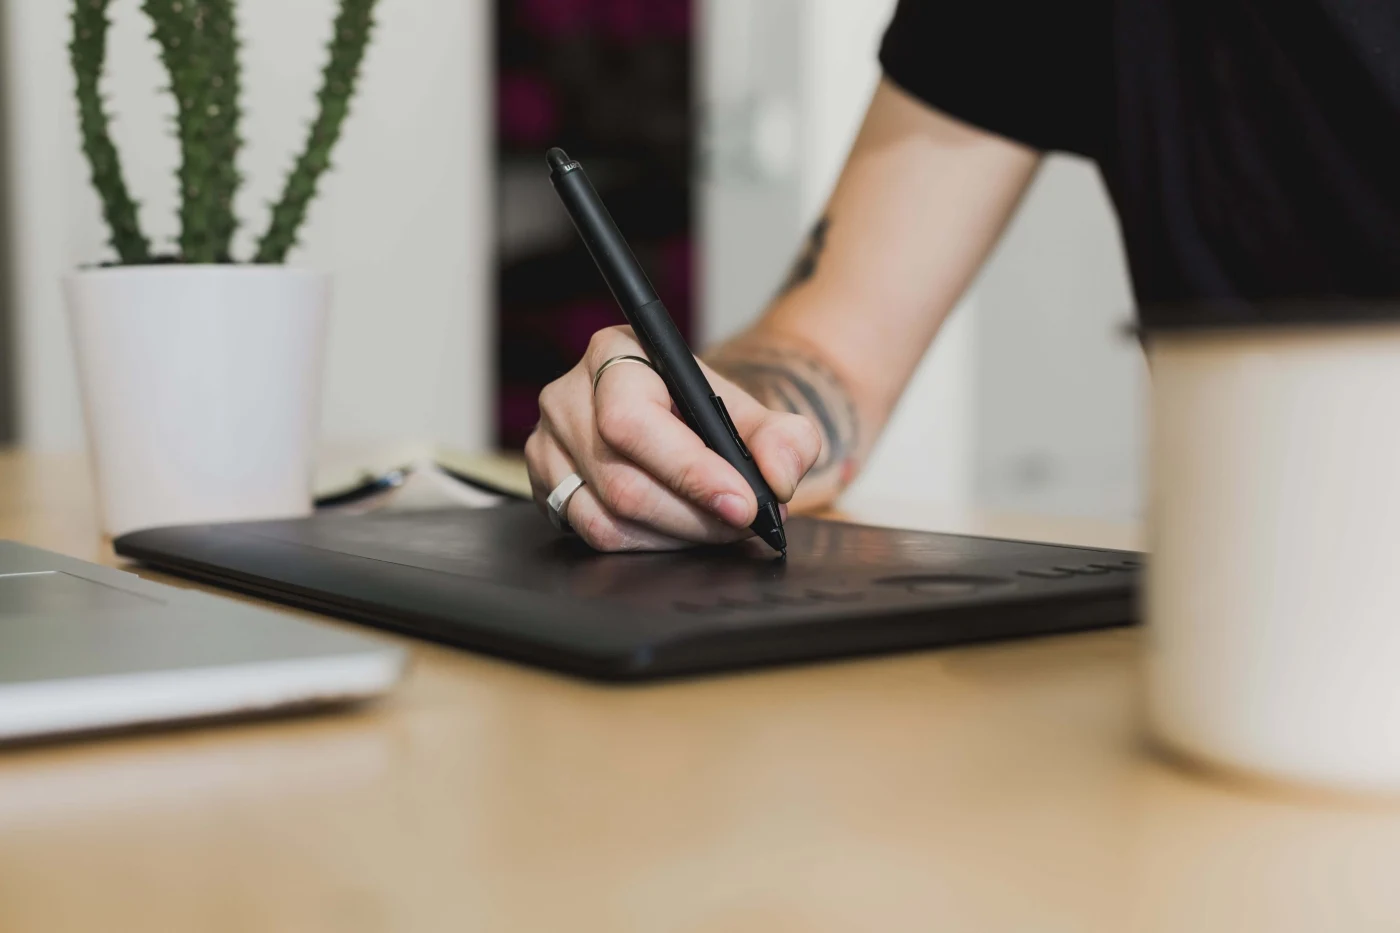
x=1029, y=400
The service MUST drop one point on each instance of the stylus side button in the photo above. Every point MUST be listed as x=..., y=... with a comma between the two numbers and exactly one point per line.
x=729, y=425
x=1089, y=570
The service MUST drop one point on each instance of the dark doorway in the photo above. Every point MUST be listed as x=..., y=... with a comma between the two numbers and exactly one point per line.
x=610, y=81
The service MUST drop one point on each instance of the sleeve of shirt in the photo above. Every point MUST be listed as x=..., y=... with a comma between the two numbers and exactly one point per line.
x=1039, y=72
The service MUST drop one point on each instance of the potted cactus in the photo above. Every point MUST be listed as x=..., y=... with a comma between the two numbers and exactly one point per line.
x=201, y=374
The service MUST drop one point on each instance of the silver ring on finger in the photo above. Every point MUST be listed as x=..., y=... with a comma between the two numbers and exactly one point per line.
x=557, y=505
x=624, y=358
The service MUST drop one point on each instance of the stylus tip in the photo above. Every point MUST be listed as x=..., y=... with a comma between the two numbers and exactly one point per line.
x=557, y=159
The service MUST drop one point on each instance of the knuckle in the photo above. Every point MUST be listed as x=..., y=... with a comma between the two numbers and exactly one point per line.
x=619, y=425
x=604, y=343
x=690, y=481
x=549, y=401
x=795, y=431
x=532, y=447
x=807, y=436
x=600, y=532
x=627, y=493
x=597, y=344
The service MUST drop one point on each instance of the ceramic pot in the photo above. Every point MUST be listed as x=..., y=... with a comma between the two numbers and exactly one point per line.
x=200, y=388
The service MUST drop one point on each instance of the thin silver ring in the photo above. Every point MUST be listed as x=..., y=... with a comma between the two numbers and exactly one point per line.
x=558, y=502
x=624, y=358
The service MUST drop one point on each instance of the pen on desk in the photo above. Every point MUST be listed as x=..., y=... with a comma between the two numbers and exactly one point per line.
x=702, y=409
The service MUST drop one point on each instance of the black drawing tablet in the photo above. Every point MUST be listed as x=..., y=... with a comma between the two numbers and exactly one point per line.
x=500, y=580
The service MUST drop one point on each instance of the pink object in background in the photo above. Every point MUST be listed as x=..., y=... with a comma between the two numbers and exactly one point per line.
x=558, y=17
x=634, y=20
x=576, y=323
x=528, y=114
x=626, y=20
x=672, y=17
x=619, y=20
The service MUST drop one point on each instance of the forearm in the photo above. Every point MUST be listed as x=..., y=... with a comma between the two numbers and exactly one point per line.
x=920, y=203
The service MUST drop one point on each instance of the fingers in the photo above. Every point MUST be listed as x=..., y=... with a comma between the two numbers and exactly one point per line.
x=568, y=439
x=785, y=446
x=600, y=529
x=628, y=491
x=650, y=481
x=625, y=489
x=637, y=424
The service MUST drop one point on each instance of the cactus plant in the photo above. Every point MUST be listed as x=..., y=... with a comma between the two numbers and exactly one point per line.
x=199, y=47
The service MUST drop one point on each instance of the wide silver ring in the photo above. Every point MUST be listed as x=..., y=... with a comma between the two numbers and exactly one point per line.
x=624, y=358
x=558, y=502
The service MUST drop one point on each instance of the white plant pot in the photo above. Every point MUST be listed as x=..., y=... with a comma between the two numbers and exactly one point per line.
x=201, y=389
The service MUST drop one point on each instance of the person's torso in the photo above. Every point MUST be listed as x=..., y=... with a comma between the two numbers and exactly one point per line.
x=1253, y=151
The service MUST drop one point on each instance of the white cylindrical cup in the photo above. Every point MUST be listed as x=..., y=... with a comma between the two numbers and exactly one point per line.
x=201, y=388
x=1273, y=594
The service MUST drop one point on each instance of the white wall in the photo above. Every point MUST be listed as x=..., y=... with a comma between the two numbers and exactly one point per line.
x=807, y=68
x=1060, y=384
x=402, y=221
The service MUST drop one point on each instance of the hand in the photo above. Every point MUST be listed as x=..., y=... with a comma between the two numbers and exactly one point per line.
x=650, y=483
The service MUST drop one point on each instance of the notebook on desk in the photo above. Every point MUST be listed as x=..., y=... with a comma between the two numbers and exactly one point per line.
x=500, y=580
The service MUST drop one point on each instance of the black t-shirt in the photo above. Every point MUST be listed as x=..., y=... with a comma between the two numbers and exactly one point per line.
x=1251, y=147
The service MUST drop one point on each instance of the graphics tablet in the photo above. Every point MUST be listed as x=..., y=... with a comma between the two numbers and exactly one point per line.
x=502, y=581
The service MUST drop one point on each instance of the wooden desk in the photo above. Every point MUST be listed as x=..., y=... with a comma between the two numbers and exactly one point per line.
x=990, y=788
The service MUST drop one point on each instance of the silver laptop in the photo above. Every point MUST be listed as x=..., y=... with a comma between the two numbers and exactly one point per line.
x=84, y=647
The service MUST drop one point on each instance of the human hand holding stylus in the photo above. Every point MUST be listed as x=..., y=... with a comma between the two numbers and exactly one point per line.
x=650, y=483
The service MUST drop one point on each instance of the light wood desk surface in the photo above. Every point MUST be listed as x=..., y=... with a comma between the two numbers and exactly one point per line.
x=997, y=788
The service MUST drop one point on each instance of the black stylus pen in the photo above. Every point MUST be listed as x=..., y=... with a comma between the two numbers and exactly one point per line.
x=702, y=409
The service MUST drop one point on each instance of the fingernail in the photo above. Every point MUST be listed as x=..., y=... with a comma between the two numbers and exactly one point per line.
x=731, y=508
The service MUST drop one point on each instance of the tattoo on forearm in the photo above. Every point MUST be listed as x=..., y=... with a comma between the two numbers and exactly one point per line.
x=806, y=265
x=789, y=380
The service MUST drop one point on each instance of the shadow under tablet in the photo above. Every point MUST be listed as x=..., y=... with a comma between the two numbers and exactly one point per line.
x=501, y=580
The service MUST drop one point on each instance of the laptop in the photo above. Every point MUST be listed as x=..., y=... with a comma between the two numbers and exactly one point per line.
x=86, y=648
x=500, y=580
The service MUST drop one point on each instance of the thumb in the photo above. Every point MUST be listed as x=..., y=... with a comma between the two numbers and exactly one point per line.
x=785, y=446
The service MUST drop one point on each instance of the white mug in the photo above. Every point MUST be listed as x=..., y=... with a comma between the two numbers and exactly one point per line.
x=1273, y=592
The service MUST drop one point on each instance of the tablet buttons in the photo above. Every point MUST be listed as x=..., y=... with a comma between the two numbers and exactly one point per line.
x=1086, y=570
x=946, y=584
x=699, y=609
x=1079, y=570
x=785, y=599
x=1047, y=574
x=836, y=596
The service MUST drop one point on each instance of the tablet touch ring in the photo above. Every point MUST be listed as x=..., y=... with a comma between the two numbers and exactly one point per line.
x=558, y=502
x=625, y=358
